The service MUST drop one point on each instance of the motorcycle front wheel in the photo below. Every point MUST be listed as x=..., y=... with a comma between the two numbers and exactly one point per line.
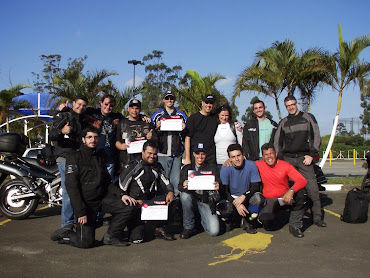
x=13, y=207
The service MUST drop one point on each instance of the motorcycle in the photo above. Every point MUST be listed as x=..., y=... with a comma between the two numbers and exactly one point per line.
x=32, y=179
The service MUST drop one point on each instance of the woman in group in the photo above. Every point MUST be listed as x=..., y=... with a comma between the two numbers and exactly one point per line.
x=228, y=132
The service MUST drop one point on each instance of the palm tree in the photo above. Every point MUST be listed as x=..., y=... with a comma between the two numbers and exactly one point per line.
x=343, y=68
x=8, y=100
x=281, y=58
x=310, y=74
x=273, y=71
x=261, y=79
x=122, y=98
x=189, y=96
x=71, y=82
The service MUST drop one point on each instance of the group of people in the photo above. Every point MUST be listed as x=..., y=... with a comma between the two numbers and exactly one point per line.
x=249, y=173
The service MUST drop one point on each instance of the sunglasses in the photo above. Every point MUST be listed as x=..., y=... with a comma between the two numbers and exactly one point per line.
x=169, y=98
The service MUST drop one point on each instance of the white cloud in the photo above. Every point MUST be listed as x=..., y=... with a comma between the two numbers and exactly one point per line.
x=225, y=82
x=138, y=81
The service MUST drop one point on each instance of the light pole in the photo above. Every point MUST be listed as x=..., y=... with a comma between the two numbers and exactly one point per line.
x=135, y=62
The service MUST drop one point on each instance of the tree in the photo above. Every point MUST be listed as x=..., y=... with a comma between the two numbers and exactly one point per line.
x=8, y=100
x=310, y=75
x=365, y=98
x=71, y=82
x=343, y=68
x=249, y=115
x=44, y=83
x=260, y=79
x=273, y=71
x=122, y=98
x=159, y=78
x=194, y=87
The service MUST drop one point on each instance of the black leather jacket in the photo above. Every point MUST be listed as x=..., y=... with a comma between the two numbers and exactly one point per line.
x=143, y=181
x=251, y=147
x=65, y=144
x=87, y=179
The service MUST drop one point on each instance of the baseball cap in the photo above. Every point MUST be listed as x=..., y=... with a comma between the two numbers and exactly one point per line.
x=168, y=94
x=209, y=98
x=199, y=147
x=135, y=102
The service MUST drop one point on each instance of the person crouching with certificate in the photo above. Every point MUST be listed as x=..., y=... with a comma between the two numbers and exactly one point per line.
x=194, y=185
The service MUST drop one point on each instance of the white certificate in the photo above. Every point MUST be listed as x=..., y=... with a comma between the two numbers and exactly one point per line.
x=199, y=181
x=171, y=124
x=154, y=210
x=135, y=146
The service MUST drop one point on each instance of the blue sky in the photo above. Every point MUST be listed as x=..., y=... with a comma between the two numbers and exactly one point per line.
x=208, y=36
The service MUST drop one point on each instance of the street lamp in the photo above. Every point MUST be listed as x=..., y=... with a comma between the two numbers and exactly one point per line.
x=135, y=62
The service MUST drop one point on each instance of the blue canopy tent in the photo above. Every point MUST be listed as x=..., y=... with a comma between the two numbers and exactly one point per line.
x=40, y=109
x=39, y=104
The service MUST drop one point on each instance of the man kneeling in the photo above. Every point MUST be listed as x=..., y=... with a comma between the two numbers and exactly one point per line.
x=242, y=185
x=204, y=199
x=275, y=175
x=90, y=190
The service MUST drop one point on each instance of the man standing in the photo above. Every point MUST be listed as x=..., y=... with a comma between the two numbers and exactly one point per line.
x=88, y=183
x=297, y=141
x=257, y=132
x=201, y=128
x=145, y=179
x=241, y=182
x=275, y=175
x=131, y=129
x=107, y=122
x=205, y=199
x=66, y=136
x=170, y=147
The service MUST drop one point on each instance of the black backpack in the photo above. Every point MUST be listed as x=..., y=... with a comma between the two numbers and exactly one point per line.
x=356, y=207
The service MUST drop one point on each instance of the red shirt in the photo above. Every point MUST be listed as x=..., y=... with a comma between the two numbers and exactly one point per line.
x=276, y=179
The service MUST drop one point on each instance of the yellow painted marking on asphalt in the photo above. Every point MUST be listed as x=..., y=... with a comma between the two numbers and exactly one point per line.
x=45, y=207
x=4, y=222
x=8, y=220
x=244, y=244
x=332, y=213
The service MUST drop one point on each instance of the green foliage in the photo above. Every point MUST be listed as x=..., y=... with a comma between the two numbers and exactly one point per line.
x=44, y=82
x=8, y=100
x=194, y=87
x=72, y=81
x=365, y=104
x=346, y=144
x=159, y=78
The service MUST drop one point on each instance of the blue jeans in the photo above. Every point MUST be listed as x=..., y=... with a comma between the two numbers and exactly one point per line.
x=110, y=168
x=67, y=210
x=172, y=168
x=209, y=221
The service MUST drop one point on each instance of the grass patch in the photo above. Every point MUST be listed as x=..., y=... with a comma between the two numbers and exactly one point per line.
x=345, y=180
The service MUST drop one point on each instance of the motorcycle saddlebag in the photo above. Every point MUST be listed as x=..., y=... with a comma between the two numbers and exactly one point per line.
x=13, y=143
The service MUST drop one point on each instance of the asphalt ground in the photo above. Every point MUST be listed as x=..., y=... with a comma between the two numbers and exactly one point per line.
x=339, y=250
x=344, y=168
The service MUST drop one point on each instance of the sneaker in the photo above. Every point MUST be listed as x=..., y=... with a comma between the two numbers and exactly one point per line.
x=320, y=223
x=137, y=241
x=187, y=233
x=296, y=232
x=61, y=233
x=108, y=240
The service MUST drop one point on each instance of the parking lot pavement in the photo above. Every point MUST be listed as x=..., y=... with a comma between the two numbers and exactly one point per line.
x=340, y=250
x=344, y=168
